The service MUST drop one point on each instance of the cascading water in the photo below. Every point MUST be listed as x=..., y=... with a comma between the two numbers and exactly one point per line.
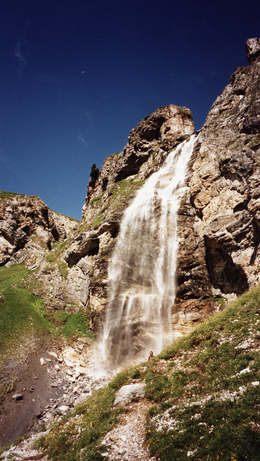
x=143, y=266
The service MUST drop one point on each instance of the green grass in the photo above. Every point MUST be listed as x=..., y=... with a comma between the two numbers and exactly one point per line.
x=21, y=312
x=98, y=221
x=123, y=189
x=77, y=325
x=53, y=258
x=63, y=269
x=70, y=325
x=95, y=199
x=57, y=250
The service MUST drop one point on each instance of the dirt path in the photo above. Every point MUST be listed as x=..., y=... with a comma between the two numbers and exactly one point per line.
x=127, y=439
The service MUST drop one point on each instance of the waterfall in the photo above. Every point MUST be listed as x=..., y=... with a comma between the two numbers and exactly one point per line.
x=143, y=266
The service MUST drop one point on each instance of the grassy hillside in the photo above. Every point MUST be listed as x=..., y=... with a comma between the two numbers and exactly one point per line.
x=205, y=391
x=21, y=312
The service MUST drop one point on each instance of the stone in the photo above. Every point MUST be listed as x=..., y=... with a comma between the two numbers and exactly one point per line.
x=129, y=393
x=64, y=408
x=81, y=398
x=252, y=49
x=17, y=397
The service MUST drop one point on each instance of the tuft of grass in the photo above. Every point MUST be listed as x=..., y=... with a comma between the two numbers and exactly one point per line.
x=98, y=221
x=124, y=189
x=95, y=199
x=57, y=250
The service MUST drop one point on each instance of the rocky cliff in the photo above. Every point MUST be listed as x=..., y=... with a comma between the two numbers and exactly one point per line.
x=219, y=217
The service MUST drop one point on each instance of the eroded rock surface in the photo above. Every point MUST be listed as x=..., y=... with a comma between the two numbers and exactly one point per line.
x=219, y=217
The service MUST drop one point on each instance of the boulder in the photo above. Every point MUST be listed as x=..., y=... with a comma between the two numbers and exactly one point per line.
x=129, y=393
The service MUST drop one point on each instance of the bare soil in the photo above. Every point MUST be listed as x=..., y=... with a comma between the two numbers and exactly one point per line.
x=32, y=381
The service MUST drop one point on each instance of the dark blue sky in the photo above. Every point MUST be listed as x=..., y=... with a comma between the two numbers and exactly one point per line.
x=77, y=75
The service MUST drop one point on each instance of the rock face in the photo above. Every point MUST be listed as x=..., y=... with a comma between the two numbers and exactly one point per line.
x=219, y=218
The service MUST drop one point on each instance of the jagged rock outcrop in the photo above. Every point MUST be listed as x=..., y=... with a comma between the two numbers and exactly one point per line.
x=147, y=147
x=28, y=228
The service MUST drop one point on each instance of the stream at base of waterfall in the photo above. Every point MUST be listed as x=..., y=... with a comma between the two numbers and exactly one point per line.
x=142, y=270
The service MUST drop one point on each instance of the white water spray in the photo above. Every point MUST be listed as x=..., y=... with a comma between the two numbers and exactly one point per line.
x=143, y=266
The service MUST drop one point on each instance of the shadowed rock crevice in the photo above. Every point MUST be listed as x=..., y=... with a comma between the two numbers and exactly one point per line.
x=83, y=245
x=224, y=273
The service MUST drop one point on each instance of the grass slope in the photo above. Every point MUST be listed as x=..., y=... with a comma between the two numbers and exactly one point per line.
x=21, y=312
x=208, y=394
x=205, y=390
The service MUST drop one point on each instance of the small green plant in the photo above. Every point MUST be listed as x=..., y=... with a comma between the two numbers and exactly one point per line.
x=76, y=325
